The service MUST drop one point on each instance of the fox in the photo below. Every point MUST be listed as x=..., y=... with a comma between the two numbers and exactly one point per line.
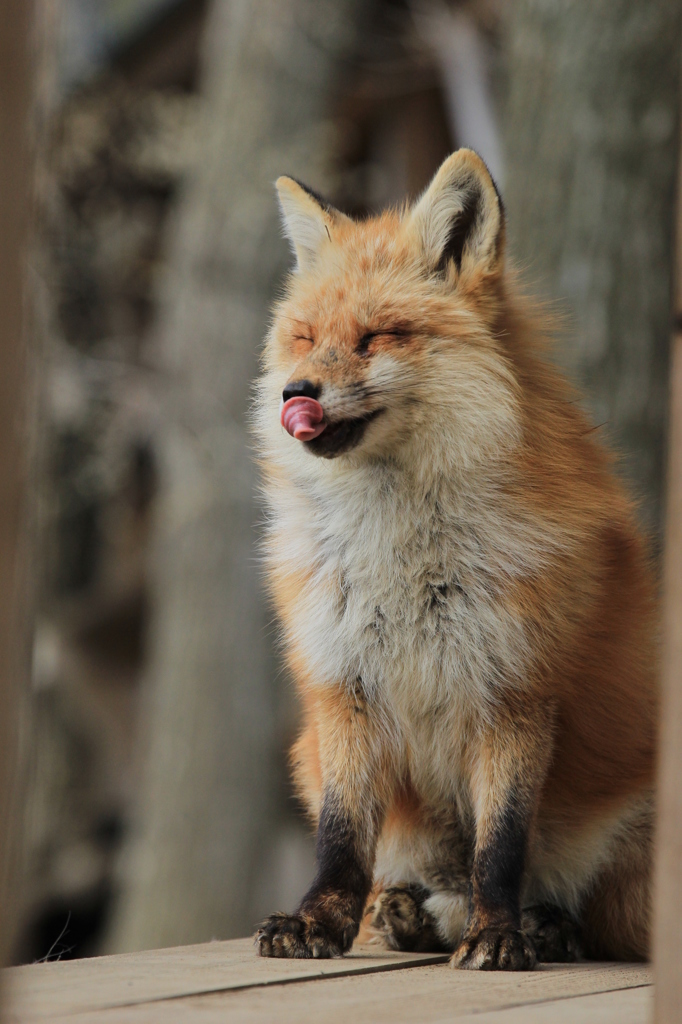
x=467, y=603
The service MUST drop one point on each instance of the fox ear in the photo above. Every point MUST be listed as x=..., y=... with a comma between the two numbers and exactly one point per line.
x=308, y=219
x=460, y=217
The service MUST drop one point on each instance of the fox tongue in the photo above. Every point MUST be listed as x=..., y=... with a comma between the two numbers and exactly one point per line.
x=302, y=418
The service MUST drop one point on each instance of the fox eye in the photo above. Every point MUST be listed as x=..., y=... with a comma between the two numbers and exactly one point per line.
x=365, y=342
x=304, y=337
x=367, y=339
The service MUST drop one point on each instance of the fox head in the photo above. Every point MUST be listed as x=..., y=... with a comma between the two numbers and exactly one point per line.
x=387, y=341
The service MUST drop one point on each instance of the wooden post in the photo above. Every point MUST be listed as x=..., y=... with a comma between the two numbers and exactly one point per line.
x=15, y=179
x=668, y=888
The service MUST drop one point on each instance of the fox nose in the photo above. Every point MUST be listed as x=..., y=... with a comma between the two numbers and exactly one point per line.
x=301, y=389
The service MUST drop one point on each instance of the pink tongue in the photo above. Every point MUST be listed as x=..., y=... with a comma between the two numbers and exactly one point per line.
x=302, y=418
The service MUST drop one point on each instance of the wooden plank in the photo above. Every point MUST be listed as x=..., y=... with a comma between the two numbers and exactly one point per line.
x=668, y=879
x=668, y=889
x=626, y=1006
x=409, y=997
x=48, y=990
x=423, y=993
x=15, y=186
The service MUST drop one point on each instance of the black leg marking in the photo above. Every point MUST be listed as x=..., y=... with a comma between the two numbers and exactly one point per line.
x=329, y=916
x=498, y=867
x=493, y=939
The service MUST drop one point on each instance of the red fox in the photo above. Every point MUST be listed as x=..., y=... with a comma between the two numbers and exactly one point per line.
x=468, y=608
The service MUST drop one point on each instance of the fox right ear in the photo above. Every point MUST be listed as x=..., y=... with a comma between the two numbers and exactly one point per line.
x=309, y=221
x=460, y=217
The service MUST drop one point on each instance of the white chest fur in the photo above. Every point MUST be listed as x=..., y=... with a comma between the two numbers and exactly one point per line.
x=408, y=595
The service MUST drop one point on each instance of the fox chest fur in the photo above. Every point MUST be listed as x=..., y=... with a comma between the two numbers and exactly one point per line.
x=406, y=602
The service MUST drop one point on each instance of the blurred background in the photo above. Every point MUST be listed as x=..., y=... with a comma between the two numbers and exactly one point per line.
x=157, y=808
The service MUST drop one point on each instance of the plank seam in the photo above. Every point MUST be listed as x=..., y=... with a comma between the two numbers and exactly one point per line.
x=560, y=999
x=350, y=973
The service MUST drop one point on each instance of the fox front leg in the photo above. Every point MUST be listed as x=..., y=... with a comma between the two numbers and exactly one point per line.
x=510, y=768
x=329, y=915
x=328, y=918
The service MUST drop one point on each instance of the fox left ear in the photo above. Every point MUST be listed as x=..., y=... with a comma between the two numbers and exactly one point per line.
x=460, y=217
x=309, y=221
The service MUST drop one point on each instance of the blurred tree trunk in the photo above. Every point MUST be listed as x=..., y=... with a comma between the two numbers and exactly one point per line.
x=591, y=128
x=271, y=67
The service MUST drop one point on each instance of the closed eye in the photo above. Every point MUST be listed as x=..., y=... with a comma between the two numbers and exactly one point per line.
x=304, y=337
x=367, y=339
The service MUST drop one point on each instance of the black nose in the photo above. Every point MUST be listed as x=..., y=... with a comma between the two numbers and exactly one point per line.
x=301, y=389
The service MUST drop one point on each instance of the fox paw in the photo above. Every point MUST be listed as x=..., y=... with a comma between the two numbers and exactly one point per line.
x=495, y=949
x=554, y=935
x=399, y=917
x=299, y=937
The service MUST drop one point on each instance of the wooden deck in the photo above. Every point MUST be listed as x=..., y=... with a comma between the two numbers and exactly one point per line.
x=227, y=982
